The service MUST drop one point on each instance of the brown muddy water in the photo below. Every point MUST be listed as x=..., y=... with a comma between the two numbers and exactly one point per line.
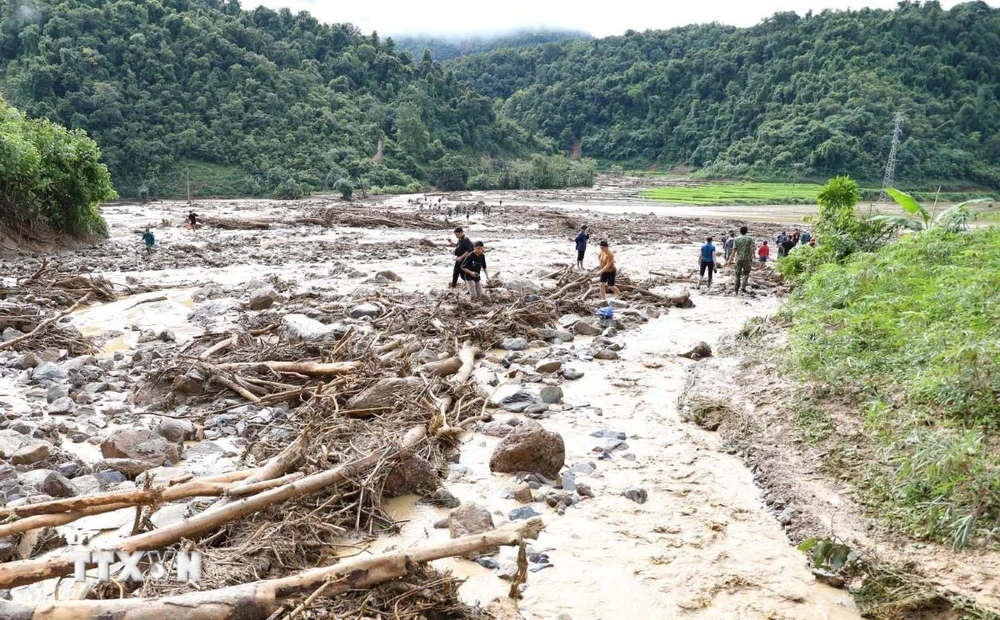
x=702, y=546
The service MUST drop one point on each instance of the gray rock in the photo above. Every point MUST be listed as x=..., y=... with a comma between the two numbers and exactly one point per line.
x=495, y=429
x=487, y=562
x=787, y=516
x=263, y=298
x=57, y=485
x=69, y=469
x=548, y=366
x=583, y=490
x=469, y=519
x=29, y=360
x=514, y=344
x=210, y=312
x=558, y=335
x=146, y=336
x=130, y=468
x=83, y=398
x=699, y=351
x=551, y=394
x=586, y=329
x=109, y=478
x=47, y=371
x=568, y=320
x=523, y=494
x=412, y=475
x=365, y=309
x=391, y=276
x=55, y=392
x=166, y=336
x=190, y=382
x=140, y=444
x=31, y=454
x=536, y=408
x=520, y=396
x=568, y=481
x=636, y=494
x=522, y=513
x=521, y=285
x=570, y=374
x=606, y=434
x=531, y=448
x=176, y=431
x=605, y=354
x=507, y=570
x=62, y=405
x=300, y=328
x=585, y=468
x=10, y=333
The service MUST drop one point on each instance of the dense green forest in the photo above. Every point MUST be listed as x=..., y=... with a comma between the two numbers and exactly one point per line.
x=51, y=179
x=257, y=101
x=449, y=48
x=814, y=94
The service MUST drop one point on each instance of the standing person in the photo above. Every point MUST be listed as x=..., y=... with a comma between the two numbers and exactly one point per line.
x=149, y=240
x=805, y=237
x=780, y=242
x=707, y=262
x=727, y=246
x=743, y=248
x=608, y=270
x=462, y=250
x=471, y=267
x=192, y=219
x=581, y=245
x=764, y=252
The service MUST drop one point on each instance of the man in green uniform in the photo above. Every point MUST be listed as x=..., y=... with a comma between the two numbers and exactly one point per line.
x=743, y=249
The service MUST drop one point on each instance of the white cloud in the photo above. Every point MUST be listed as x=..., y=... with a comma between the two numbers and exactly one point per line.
x=443, y=17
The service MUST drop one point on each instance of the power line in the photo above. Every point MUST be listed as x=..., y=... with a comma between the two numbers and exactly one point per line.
x=890, y=167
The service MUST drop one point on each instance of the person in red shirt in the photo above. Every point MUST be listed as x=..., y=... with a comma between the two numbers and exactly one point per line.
x=764, y=252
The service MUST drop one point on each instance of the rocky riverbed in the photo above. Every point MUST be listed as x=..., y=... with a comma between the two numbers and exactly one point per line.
x=566, y=416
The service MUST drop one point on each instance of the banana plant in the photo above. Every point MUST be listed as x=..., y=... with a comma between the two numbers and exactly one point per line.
x=917, y=217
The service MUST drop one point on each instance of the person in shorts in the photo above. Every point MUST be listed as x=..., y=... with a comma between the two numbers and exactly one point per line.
x=473, y=268
x=608, y=270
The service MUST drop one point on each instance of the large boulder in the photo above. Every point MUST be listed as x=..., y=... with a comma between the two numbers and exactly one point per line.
x=585, y=328
x=413, y=475
x=47, y=371
x=57, y=485
x=176, y=431
x=263, y=297
x=11, y=441
x=140, y=444
x=521, y=285
x=300, y=328
x=531, y=448
x=385, y=393
x=469, y=519
x=31, y=454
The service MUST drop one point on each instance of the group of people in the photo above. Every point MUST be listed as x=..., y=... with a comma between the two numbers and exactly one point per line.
x=786, y=242
x=738, y=250
x=470, y=263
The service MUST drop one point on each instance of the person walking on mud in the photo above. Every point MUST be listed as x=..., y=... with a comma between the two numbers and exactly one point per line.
x=727, y=246
x=707, y=262
x=473, y=268
x=192, y=220
x=581, y=245
x=608, y=270
x=463, y=248
x=149, y=240
x=743, y=247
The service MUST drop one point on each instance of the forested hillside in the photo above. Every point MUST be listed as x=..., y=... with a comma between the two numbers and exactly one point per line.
x=255, y=102
x=813, y=94
x=448, y=48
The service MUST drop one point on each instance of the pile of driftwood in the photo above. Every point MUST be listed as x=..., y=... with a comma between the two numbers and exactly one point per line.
x=356, y=216
x=581, y=286
x=37, y=303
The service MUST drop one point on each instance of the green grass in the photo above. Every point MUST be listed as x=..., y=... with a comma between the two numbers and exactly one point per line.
x=711, y=194
x=912, y=333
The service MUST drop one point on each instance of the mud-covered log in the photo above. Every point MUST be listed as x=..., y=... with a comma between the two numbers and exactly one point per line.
x=258, y=600
x=303, y=368
x=442, y=368
x=468, y=357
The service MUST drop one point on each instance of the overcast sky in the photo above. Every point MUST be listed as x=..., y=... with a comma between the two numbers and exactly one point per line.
x=461, y=17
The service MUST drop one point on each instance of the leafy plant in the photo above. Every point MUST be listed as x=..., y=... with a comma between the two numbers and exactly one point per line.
x=918, y=218
x=829, y=555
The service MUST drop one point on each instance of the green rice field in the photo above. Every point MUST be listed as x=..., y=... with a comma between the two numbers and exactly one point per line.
x=712, y=194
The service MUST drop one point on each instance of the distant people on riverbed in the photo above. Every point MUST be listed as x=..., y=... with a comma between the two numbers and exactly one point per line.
x=192, y=220
x=764, y=252
x=706, y=262
x=581, y=245
x=149, y=240
x=743, y=247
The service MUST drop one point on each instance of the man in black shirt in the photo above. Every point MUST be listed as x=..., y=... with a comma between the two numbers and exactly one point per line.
x=471, y=267
x=462, y=250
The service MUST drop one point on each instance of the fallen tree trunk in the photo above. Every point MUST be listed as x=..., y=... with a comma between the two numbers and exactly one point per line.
x=468, y=357
x=443, y=368
x=275, y=468
x=259, y=600
x=22, y=572
x=235, y=223
x=302, y=368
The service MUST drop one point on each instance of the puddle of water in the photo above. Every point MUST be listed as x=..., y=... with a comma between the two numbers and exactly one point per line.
x=121, y=315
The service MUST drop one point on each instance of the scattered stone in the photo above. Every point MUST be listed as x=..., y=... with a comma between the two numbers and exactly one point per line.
x=636, y=494
x=10, y=333
x=551, y=394
x=147, y=335
x=586, y=468
x=62, y=405
x=166, y=336
x=830, y=579
x=263, y=298
x=29, y=360
x=55, y=392
x=469, y=519
x=610, y=445
x=108, y=478
x=83, y=398
x=69, y=469
x=442, y=498
x=536, y=409
x=413, y=475
x=140, y=444
x=57, y=485
x=529, y=447
x=130, y=468
x=523, y=494
x=188, y=383
x=47, y=371
x=507, y=570
x=495, y=429
x=523, y=513
x=300, y=328
x=365, y=309
x=586, y=329
x=605, y=354
x=176, y=431
x=520, y=396
x=559, y=335
x=514, y=344
x=548, y=366
x=570, y=374
x=568, y=320
x=606, y=434
x=568, y=481
x=785, y=517
x=31, y=454
x=521, y=285
x=441, y=524
x=583, y=490
x=699, y=351
x=389, y=275
x=487, y=562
